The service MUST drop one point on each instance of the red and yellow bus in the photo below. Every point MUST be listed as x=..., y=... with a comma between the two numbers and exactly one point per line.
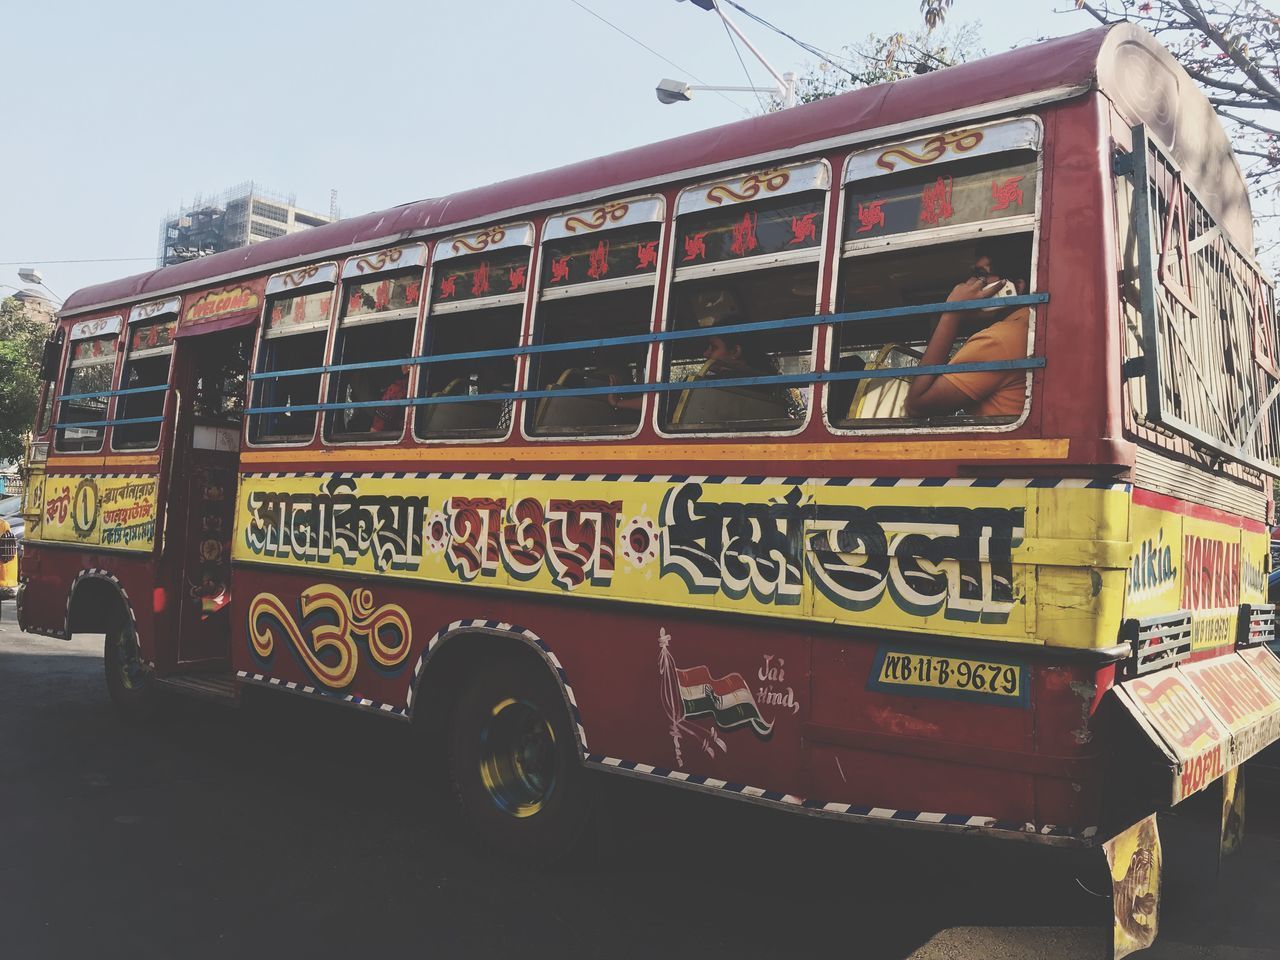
x=902, y=458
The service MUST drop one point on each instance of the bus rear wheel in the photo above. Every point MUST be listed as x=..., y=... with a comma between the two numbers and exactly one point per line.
x=514, y=764
x=130, y=683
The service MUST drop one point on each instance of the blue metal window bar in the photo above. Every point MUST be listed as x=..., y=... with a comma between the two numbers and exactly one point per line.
x=111, y=393
x=1024, y=363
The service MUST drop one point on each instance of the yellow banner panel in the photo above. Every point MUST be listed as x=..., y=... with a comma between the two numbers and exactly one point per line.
x=953, y=558
x=1189, y=563
x=107, y=511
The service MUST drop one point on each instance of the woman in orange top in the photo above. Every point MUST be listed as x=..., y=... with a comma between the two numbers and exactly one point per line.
x=985, y=393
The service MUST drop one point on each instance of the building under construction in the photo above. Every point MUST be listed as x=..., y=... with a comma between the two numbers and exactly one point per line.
x=240, y=216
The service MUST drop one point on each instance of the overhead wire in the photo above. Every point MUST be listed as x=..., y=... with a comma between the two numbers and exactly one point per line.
x=818, y=52
x=664, y=59
x=733, y=42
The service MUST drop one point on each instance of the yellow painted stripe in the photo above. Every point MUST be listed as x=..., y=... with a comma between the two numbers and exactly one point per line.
x=994, y=449
x=143, y=460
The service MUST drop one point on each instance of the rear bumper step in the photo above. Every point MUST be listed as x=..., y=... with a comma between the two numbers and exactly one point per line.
x=206, y=686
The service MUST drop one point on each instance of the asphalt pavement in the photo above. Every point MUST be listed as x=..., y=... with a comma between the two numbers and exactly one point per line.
x=288, y=829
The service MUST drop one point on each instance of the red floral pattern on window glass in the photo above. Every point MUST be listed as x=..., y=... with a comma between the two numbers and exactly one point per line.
x=695, y=247
x=744, y=235
x=870, y=216
x=804, y=228
x=935, y=202
x=1005, y=194
x=598, y=265
x=646, y=255
x=480, y=279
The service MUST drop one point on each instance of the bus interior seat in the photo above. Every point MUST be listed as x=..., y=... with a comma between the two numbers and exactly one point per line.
x=718, y=405
x=840, y=392
x=561, y=412
x=448, y=417
x=883, y=398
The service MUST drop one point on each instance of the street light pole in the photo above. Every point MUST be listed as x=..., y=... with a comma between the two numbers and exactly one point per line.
x=673, y=91
x=32, y=275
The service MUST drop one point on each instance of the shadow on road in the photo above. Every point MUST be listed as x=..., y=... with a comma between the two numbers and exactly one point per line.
x=290, y=827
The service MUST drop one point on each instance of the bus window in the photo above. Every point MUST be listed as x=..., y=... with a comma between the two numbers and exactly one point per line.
x=933, y=274
x=592, y=287
x=376, y=323
x=49, y=376
x=46, y=409
x=744, y=263
x=293, y=338
x=90, y=366
x=924, y=234
x=220, y=368
x=477, y=303
x=150, y=353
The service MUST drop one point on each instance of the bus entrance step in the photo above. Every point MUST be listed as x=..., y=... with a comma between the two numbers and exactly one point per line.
x=207, y=686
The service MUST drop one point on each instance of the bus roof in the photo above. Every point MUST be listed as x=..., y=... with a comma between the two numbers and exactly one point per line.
x=1125, y=62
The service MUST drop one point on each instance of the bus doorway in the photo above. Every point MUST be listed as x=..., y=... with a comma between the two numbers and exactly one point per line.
x=210, y=380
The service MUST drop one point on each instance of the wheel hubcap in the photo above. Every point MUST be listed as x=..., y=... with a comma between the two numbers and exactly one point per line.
x=518, y=757
x=133, y=674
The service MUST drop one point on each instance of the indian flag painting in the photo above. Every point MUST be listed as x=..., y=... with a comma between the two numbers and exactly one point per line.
x=692, y=693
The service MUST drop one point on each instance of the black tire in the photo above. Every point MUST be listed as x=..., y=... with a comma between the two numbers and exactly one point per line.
x=130, y=683
x=515, y=766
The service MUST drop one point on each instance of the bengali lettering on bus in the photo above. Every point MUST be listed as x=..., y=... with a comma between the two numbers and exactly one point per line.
x=941, y=558
x=94, y=510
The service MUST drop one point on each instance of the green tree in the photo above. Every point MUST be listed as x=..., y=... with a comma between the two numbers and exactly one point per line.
x=22, y=337
x=883, y=59
x=1230, y=47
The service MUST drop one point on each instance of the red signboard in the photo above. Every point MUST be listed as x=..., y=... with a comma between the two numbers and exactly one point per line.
x=1208, y=717
x=220, y=309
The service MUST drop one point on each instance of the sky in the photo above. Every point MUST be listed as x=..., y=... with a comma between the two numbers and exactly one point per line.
x=118, y=114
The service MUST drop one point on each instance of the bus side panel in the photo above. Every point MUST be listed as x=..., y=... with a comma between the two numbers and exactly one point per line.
x=1195, y=558
x=704, y=696
x=43, y=607
x=1081, y=381
x=51, y=576
x=948, y=728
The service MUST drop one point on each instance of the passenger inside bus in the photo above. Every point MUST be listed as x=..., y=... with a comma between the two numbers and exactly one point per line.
x=1000, y=334
x=732, y=355
x=616, y=313
x=485, y=329
x=371, y=342
x=932, y=274
x=391, y=417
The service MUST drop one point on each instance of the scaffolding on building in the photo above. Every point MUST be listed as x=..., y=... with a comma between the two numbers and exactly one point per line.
x=244, y=214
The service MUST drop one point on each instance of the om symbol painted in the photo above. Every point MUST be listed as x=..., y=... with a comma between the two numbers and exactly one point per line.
x=329, y=649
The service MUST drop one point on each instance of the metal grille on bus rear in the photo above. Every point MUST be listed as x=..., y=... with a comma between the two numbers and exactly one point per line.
x=8, y=546
x=1208, y=376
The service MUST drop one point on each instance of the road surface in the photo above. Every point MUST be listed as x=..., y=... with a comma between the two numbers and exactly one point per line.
x=290, y=829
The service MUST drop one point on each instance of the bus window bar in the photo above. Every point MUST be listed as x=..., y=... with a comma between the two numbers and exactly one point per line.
x=1157, y=642
x=888, y=313
x=116, y=421
x=782, y=379
x=1256, y=624
x=114, y=393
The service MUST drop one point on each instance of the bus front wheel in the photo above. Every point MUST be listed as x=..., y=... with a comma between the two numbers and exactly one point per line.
x=130, y=683
x=515, y=766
